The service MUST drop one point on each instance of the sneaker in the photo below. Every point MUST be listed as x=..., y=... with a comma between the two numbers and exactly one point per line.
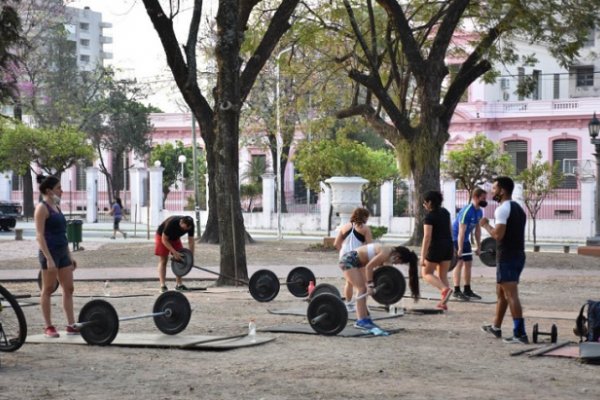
x=50, y=332
x=446, y=293
x=442, y=306
x=471, y=294
x=497, y=332
x=460, y=295
x=181, y=288
x=516, y=340
x=365, y=324
x=71, y=330
x=112, y=237
x=163, y=289
x=351, y=307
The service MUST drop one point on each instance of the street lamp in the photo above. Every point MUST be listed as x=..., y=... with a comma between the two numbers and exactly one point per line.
x=279, y=145
x=594, y=129
x=182, y=159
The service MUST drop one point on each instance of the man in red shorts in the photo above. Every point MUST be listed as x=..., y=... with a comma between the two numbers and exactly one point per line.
x=168, y=241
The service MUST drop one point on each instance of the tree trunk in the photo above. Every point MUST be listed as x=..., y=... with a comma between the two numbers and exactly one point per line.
x=28, y=200
x=211, y=232
x=225, y=151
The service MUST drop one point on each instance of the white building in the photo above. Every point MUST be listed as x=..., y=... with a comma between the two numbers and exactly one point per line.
x=87, y=30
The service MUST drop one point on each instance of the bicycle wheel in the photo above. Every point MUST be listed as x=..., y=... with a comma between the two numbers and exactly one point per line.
x=13, y=326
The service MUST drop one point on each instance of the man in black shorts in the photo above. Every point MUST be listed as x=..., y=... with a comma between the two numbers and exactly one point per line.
x=509, y=233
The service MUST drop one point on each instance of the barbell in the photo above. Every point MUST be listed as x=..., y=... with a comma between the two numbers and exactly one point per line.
x=487, y=253
x=99, y=323
x=263, y=284
x=327, y=313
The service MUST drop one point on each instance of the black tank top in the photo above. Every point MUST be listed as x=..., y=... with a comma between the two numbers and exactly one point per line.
x=512, y=244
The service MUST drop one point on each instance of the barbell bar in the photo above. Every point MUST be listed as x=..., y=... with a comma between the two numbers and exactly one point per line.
x=263, y=284
x=99, y=322
x=327, y=313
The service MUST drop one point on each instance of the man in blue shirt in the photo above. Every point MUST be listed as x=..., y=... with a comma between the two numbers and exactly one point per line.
x=467, y=222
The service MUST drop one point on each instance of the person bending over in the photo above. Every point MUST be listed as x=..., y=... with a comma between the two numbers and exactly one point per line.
x=168, y=241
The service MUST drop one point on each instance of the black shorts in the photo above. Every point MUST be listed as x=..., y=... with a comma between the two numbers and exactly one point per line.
x=116, y=223
x=439, y=253
x=60, y=256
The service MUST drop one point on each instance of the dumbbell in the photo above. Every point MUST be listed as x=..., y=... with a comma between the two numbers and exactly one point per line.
x=99, y=323
x=553, y=333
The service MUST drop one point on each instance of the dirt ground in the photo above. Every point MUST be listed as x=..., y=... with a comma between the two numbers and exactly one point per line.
x=433, y=357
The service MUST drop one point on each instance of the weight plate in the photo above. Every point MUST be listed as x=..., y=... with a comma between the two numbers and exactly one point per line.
x=453, y=261
x=534, y=334
x=390, y=284
x=327, y=314
x=487, y=253
x=324, y=288
x=553, y=334
x=39, y=282
x=103, y=322
x=264, y=285
x=177, y=312
x=182, y=268
x=298, y=280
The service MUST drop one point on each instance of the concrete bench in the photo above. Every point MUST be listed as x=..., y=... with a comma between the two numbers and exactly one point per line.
x=18, y=234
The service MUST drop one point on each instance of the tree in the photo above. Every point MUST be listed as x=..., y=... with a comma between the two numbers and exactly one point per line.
x=168, y=155
x=219, y=124
x=477, y=162
x=10, y=38
x=409, y=74
x=252, y=188
x=539, y=179
x=319, y=160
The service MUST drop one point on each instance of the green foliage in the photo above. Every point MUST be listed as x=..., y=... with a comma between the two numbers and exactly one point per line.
x=378, y=231
x=476, y=163
x=168, y=155
x=319, y=160
x=16, y=144
x=538, y=181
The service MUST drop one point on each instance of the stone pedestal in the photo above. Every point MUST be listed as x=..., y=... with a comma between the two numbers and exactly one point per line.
x=345, y=195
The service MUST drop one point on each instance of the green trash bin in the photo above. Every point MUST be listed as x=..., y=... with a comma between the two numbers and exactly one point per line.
x=74, y=232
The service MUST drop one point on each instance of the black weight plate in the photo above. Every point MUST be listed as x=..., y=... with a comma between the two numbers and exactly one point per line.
x=390, y=284
x=333, y=311
x=534, y=334
x=554, y=334
x=103, y=322
x=182, y=268
x=177, y=312
x=264, y=285
x=324, y=288
x=487, y=253
x=39, y=282
x=298, y=280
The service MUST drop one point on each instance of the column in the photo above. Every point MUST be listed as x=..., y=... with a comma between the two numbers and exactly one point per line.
x=324, y=205
x=387, y=204
x=91, y=190
x=346, y=195
x=268, y=198
x=156, y=195
x=449, y=193
x=5, y=185
x=136, y=184
x=587, y=184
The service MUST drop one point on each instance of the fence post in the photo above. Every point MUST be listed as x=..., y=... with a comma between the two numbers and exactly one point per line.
x=136, y=184
x=156, y=195
x=588, y=184
x=449, y=193
x=91, y=192
x=324, y=205
x=387, y=203
x=268, y=198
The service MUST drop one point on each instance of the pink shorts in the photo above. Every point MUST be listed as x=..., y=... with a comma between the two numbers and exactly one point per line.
x=161, y=250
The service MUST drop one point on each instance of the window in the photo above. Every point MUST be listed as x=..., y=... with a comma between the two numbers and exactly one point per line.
x=84, y=42
x=565, y=149
x=84, y=26
x=84, y=58
x=517, y=149
x=537, y=89
x=80, y=177
x=17, y=182
x=585, y=76
x=556, y=86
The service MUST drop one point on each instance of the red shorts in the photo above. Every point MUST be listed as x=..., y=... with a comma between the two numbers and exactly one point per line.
x=161, y=250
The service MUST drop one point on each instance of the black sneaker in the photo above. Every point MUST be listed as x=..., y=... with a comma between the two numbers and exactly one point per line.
x=181, y=288
x=471, y=294
x=163, y=289
x=497, y=332
x=460, y=295
x=517, y=340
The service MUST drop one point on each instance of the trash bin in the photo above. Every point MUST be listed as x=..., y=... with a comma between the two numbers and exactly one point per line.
x=74, y=232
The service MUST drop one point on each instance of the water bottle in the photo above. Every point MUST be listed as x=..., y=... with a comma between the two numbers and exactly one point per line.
x=252, y=330
x=106, y=288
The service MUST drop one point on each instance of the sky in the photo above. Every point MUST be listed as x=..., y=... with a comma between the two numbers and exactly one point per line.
x=136, y=49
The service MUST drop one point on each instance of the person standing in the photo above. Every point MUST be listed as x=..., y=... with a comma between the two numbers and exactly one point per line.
x=54, y=255
x=464, y=227
x=437, y=248
x=168, y=241
x=117, y=212
x=509, y=233
x=351, y=236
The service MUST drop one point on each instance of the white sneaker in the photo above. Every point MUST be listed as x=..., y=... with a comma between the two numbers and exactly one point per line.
x=351, y=307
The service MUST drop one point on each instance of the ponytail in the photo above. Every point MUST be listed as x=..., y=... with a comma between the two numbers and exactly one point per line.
x=409, y=257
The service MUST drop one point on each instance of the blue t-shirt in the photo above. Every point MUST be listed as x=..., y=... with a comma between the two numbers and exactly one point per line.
x=469, y=216
x=117, y=211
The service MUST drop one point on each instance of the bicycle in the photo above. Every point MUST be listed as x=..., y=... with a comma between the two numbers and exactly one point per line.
x=13, y=326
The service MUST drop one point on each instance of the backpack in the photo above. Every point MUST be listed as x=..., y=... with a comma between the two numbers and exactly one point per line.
x=588, y=327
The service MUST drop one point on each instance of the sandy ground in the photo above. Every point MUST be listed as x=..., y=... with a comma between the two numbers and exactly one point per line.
x=433, y=357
